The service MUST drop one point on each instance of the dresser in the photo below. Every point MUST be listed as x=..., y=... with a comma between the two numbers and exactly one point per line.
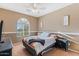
x=6, y=48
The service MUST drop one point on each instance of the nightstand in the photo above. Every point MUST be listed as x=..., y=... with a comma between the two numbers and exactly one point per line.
x=62, y=43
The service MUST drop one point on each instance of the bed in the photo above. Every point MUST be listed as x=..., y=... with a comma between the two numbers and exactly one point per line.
x=36, y=48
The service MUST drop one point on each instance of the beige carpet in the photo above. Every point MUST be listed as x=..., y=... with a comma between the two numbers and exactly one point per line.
x=19, y=50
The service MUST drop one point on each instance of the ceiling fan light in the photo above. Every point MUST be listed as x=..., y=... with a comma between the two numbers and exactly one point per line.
x=35, y=11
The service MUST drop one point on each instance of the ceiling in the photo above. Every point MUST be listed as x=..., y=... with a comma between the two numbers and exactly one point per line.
x=27, y=8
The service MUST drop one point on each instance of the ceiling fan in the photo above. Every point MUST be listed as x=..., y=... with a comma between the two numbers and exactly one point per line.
x=35, y=8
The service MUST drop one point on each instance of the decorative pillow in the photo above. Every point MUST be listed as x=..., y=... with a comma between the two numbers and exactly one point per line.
x=59, y=36
x=41, y=41
x=53, y=36
x=44, y=34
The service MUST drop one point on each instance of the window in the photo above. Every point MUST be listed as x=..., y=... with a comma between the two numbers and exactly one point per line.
x=23, y=27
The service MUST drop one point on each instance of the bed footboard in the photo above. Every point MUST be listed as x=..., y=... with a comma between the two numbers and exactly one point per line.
x=29, y=48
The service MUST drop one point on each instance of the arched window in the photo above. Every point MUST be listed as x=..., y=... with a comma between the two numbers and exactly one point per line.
x=23, y=27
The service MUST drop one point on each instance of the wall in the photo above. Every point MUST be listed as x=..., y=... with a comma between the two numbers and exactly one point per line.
x=54, y=21
x=10, y=18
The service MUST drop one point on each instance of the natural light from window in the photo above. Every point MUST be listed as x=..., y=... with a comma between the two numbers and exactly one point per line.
x=23, y=27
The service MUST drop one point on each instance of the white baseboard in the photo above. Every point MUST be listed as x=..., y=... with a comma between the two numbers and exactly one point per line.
x=73, y=50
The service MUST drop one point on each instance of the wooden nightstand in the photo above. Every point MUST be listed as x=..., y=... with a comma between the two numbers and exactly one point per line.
x=62, y=43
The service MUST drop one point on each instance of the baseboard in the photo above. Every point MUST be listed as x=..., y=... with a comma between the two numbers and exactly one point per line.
x=73, y=50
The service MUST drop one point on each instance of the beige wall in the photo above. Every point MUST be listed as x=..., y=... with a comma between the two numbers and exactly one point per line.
x=10, y=18
x=54, y=21
x=51, y=22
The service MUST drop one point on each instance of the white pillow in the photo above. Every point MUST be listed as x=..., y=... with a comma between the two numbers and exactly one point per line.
x=44, y=34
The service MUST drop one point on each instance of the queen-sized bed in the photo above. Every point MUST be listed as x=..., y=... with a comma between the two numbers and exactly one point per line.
x=36, y=48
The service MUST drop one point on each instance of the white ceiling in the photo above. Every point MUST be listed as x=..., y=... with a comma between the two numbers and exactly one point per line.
x=26, y=8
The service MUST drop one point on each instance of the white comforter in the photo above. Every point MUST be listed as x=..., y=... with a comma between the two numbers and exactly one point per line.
x=38, y=46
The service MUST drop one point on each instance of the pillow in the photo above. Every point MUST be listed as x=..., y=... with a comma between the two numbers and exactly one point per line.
x=44, y=34
x=53, y=36
x=39, y=41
